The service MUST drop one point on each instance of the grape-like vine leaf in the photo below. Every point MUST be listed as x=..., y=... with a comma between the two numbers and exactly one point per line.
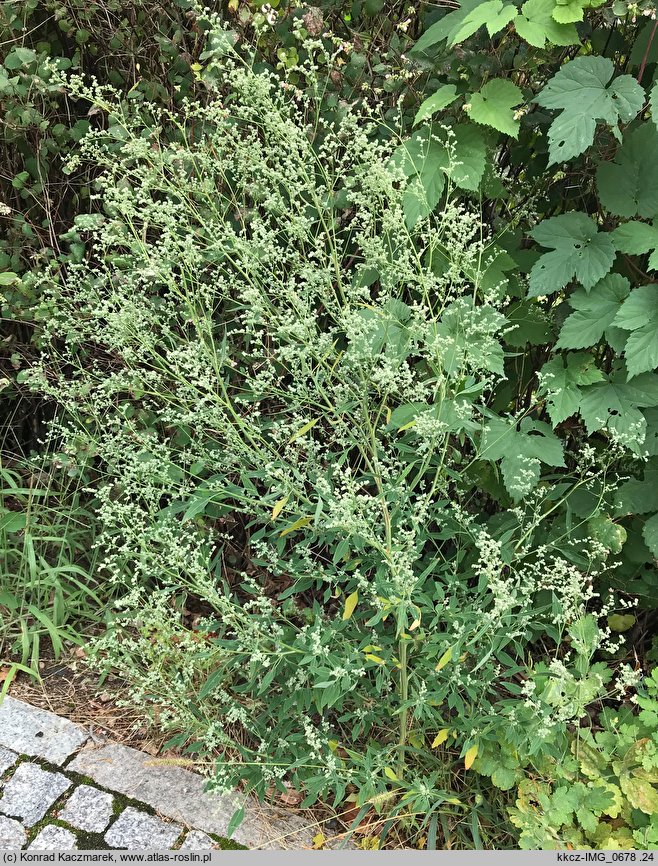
x=639, y=314
x=584, y=93
x=650, y=534
x=616, y=404
x=636, y=238
x=638, y=497
x=422, y=159
x=594, y=312
x=471, y=150
x=531, y=325
x=570, y=11
x=578, y=250
x=493, y=106
x=446, y=28
x=492, y=13
x=628, y=186
x=536, y=24
x=520, y=452
x=561, y=381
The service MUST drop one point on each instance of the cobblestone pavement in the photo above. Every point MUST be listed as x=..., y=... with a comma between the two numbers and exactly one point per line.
x=61, y=790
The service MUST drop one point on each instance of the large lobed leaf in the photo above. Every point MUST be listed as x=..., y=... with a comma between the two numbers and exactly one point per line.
x=579, y=251
x=583, y=92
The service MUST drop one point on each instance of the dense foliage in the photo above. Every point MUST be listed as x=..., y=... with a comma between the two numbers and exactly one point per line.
x=338, y=325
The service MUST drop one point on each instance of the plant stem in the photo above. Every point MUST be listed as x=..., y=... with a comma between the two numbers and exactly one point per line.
x=646, y=53
x=404, y=694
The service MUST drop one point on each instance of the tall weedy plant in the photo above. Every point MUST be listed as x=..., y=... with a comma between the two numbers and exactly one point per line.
x=280, y=364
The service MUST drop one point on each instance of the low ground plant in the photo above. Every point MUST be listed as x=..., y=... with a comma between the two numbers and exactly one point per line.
x=604, y=794
x=48, y=592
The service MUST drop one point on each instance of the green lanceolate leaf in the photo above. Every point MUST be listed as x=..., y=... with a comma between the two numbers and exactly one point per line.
x=628, y=186
x=579, y=251
x=561, y=381
x=438, y=100
x=493, y=106
x=636, y=238
x=583, y=93
x=536, y=25
x=594, y=312
x=639, y=314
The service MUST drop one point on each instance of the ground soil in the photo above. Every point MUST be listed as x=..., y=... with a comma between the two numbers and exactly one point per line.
x=68, y=688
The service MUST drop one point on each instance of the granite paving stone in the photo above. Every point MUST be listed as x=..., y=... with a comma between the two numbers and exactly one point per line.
x=7, y=759
x=12, y=834
x=174, y=792
x=88, y=809
x=197, y=840
x=54, y=838
x=30, y=792
x=135, y=830
x=31, y=731
x=179, y=794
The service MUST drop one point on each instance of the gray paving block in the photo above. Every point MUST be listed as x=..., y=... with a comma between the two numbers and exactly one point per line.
x=136, y=831
x=7, y=759
x=54, y=838
x=179, y=794
x=12, y=834
x=38, y=733
x=30, y=792
x=196, y=840
x=88, y=809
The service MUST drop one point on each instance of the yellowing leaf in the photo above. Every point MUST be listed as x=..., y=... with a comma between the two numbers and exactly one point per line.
x=390, y=774
x=407, y=426
x=445, y=658
x=350, y=603
x=308, y=426
x=441, y=737
x=318, y=840
x=470, y=756
x=621, y=622
x=376, y=659
x=279, y=506
x=298, y=524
